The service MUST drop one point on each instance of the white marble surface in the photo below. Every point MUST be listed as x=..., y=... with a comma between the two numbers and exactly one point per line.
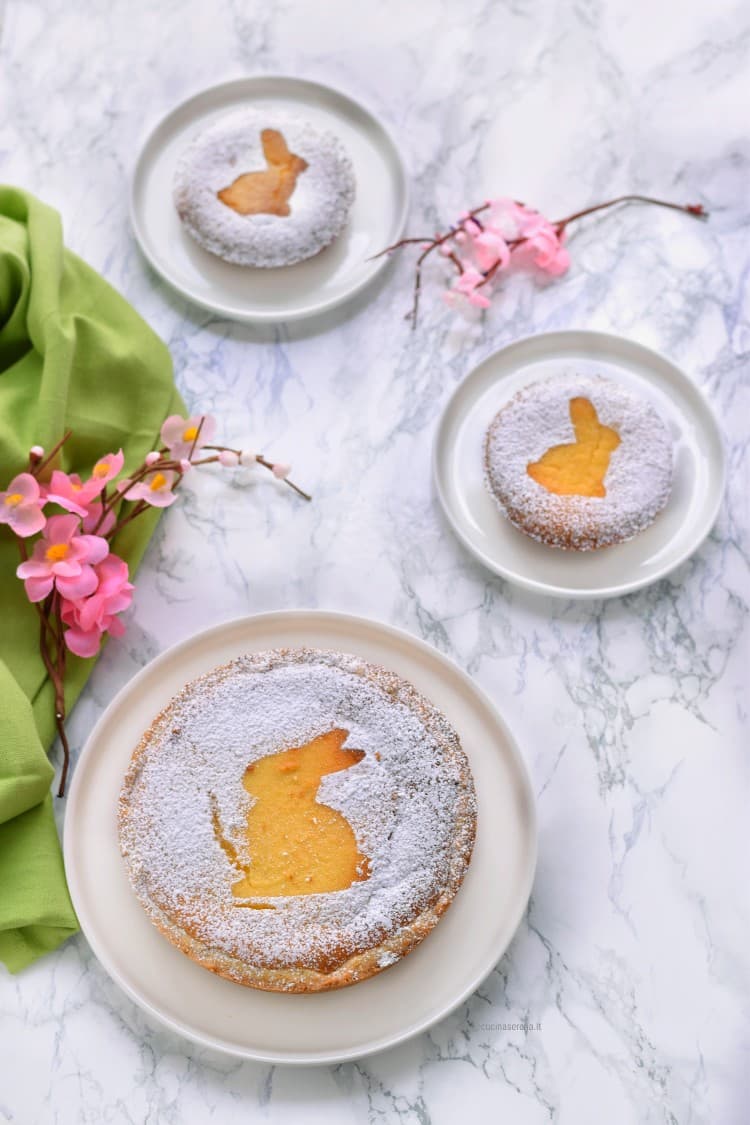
x=633, y=955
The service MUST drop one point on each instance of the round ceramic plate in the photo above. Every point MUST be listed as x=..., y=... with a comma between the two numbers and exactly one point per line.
x=243, y=293
x=325, y=1027
x=476, y=519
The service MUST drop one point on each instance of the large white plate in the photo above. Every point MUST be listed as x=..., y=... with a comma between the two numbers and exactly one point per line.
x=241, y=293
x=398, y=1003
x=699, y=466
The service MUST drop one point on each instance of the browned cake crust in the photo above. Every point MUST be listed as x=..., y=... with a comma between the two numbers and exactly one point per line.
x=415, y=789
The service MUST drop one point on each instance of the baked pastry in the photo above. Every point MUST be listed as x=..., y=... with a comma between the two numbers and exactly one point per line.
x=262, y=188
x=578, y=462
x=297, y=819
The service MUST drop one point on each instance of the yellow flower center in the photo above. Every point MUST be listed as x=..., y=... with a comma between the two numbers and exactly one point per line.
x=76, y=487
x=190, y=434
x=57, y=552
x=158, y=481
x=13, y=500
x=101, y=468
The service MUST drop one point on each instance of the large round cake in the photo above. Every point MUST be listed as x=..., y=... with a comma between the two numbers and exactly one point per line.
x=260, y=187
x=297, y=819
x=579, y=462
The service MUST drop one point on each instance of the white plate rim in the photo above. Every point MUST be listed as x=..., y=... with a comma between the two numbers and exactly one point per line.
x=264, y=620
x=540, y=587
x=227, y=310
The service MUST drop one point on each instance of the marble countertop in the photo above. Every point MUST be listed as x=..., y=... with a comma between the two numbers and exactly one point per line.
x=631, y=962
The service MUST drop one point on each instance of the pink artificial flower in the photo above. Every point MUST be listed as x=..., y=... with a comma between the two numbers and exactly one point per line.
x=89, y=618
x=490, y=250
x=64, y=559
x=508, y=217
x=543, y=246
x=93, y=515
x=21, y=506
x=467, y=285
x=155, y=489
x=67, y=489
x=107, y=468
x=183, y=436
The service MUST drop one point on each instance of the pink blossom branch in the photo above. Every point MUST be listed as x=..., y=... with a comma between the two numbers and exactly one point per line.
x=431, y=244
x=68, y=618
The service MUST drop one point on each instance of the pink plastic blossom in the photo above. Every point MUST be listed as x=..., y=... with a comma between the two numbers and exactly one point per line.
x=467, y=286
x=491, y=251
x=107, y=468
x=89, y=618
x=155, y=489
x=64, y=559
x=543, y=246
x=91, y=520
x=21, y=506
x=281, y=471
x=508, y=217
x=184, y=436
x=67, y=489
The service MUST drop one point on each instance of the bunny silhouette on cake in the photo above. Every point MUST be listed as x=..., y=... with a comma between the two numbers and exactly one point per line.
x=267, y=192
x=578, y=468
x=297, y=845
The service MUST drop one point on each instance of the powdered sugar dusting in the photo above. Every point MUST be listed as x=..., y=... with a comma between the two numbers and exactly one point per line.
x=638, y=481
x=320, y=204
x=410, y=803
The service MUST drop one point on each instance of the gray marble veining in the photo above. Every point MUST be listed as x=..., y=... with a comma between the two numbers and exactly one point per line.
x=631, y=964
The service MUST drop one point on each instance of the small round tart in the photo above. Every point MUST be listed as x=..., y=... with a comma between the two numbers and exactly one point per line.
x=297, y=819
x=578, y=463
x=262, y=188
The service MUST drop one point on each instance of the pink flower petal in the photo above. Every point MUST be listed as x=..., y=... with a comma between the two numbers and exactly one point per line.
x=61, y=529
x=173, y=428
x=92, y=517
x=27, y=519
x=25, y=485
x=79, y=586
x=82, y=643
x=96, y=547
x=38, y=588
x=33, y=568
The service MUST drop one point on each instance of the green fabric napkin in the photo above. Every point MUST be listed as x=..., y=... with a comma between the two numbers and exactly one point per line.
x=73, y=355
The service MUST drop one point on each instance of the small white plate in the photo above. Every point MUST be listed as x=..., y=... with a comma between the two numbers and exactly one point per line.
x=327, y=1027
x=267, y=295
x=477, y=521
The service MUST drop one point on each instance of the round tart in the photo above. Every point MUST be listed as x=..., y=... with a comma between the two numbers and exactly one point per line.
x=578, y=463
x=262, y=188
x=297, y=820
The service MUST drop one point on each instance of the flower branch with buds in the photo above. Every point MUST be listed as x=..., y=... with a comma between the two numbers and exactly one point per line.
x=500, y=235
x=78, y=585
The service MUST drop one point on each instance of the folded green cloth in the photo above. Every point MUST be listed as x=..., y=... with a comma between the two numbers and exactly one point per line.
x=73, y=355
